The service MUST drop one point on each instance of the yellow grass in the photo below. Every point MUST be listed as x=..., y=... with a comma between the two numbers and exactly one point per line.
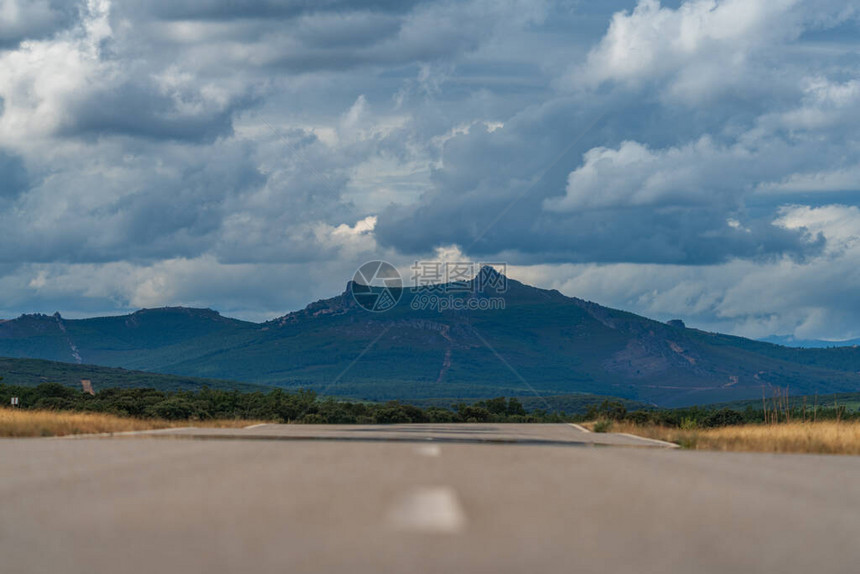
x=24, y=423
x=827, y=437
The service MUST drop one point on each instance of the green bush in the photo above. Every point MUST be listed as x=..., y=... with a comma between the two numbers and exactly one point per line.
x=312, y=419
x=473, y=414
x=391, y=415
x=54, y=404
x=640, y=417
x=174, y=409
x=689, y=424
x=723, y=417
x=611, y=410
x=604, y=425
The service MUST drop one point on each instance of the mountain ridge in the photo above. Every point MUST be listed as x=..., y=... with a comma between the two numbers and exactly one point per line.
x=540, y=343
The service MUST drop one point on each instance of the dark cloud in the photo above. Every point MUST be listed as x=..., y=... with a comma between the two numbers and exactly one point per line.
x=14, y=179
x=686, y=236
x=170, y=206
x=491, y=194
x=264, y=9
x=139, y=109
x=35, y=20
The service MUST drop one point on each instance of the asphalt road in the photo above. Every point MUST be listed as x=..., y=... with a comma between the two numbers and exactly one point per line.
x=433, y=498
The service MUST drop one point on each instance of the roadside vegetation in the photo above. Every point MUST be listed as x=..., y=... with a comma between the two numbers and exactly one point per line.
x=825, y=437
x=36, y=423
x=275, y=406
x=779, y=425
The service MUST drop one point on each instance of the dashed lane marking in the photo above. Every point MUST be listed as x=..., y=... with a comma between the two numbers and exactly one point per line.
x=429, y=450
x=428, y=509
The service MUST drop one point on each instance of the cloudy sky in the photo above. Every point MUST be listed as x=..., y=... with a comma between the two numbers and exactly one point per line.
x=696, y=159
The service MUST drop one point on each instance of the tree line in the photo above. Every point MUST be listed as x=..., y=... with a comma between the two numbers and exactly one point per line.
x=770, y=412
x=300, y=406
x=304, y=406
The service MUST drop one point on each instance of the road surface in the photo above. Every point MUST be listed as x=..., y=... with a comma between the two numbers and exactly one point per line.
x=418, y=498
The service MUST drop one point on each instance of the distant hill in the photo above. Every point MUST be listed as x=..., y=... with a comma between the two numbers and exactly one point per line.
x=542, y=343
x=31, y=372
x=789, y=341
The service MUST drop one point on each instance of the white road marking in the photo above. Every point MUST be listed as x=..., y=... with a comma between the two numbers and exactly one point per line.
x=653, y=440
x=429, y=509
x=255, y=426
x=579, y=427
x=429, y=450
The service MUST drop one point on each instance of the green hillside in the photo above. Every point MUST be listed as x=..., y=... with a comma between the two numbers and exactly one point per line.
x=32, y=372
x=540, y=342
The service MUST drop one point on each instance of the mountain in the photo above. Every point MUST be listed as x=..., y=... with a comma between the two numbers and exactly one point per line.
x=141, y=340
x=31, y=372
x=541, y=342
x=789, y=341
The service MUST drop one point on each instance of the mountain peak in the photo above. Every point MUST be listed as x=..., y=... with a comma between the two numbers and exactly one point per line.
x=489, y=275
x=489, y=271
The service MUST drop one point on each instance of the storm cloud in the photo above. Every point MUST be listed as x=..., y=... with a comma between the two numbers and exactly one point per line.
x=667, y=158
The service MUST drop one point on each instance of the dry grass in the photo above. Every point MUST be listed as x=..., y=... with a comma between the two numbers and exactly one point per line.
x=821, y=437
x=24, y=423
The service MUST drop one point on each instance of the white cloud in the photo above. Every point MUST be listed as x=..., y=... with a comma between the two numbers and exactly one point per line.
x=826, y=106
x=812, y=299
x=636, y=175
x=39, y=81
x=822, y=181
x=706, y=50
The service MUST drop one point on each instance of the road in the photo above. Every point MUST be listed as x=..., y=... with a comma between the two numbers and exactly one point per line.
x=418, y=498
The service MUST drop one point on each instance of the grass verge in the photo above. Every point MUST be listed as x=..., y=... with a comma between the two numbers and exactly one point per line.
x=827, y=437
x=26, y=423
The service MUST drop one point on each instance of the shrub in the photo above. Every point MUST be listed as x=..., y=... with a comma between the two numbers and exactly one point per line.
x=391, y=415
x=640, y=417
x=54, y=404
x=312, y=419
x=474, y=414
x=612, y=410
x=438, y=415
x=515, y=408
x=689, y=424
x=172, y=409
x=497, y=406
x=723, y=418
x=603, y=425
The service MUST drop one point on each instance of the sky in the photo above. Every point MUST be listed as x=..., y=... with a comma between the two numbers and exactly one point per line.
x=696, y=159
